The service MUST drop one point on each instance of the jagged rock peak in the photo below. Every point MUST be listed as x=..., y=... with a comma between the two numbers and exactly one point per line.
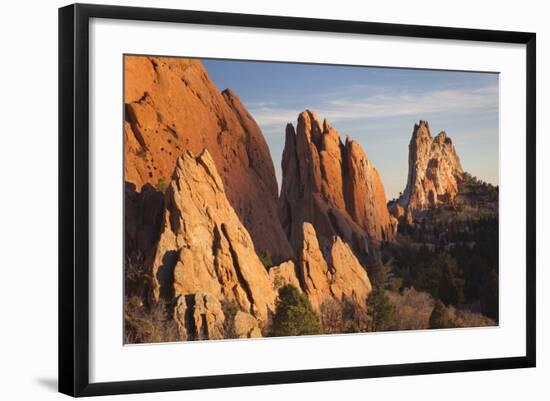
x=171, y=106
x=442, y=138
x=422, y=123
x=435, y=171
x=332, y=185
x=204, y=248
x=308, y=123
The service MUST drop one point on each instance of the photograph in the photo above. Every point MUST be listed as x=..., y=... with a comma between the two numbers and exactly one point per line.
x=271, y=199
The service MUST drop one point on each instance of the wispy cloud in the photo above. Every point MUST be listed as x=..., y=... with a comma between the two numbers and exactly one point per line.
x=268, y=115
x=343, y=106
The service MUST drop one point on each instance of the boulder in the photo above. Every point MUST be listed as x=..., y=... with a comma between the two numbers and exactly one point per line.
x=246, y=326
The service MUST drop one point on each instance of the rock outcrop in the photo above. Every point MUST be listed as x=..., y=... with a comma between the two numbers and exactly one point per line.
x=204, y=248
x=284, y=274
x=435, y=172
x=349, y=278
x=342, y=276
x=199, y=317
x=364, y=194
x=400, y=214
x=332, y=185
x=246, y=326
x=172, y=106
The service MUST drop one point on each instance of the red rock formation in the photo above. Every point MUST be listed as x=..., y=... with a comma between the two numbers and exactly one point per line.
x=435, y=171
x=284, y=274
x=246, y=326
x=199, y=317
x=342, y=276
x=204, y=248
x=331, y=185
x=364, y=193
x=172, y=106
x=402, y=216
x=205, y=256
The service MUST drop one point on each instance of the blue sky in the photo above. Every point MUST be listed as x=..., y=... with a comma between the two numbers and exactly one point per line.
x=377, y=107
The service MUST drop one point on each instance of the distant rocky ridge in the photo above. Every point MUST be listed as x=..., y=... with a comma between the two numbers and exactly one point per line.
x=331, y=185
x=172, y=106
x=435, y=172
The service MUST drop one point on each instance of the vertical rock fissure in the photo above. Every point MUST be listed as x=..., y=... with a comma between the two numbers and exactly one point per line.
x=234, y=257
x=189, y=319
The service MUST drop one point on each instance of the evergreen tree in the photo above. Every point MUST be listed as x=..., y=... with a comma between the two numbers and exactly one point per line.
x=380, y=309
x=451, y=283
x=294, y=315
x=382, y=274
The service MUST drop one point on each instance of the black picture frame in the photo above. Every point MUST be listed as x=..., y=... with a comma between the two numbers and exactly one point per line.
x=74, y=198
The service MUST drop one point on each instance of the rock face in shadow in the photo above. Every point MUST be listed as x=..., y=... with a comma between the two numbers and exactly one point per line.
x=199, y=317
x=204, y=248
x=172, y=106
x=338, y=277
x=142, y=218
x=435, y=172
x=331, y=185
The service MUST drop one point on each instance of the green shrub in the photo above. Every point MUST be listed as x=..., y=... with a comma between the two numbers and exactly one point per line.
x=266, y=258
x=294, y=315
x=162, y=186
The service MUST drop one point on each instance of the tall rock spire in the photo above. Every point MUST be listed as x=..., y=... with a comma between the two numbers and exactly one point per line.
x=331, y=185
x=435, y=171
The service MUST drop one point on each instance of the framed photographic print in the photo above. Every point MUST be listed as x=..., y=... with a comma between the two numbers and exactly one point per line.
x=249, y=199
